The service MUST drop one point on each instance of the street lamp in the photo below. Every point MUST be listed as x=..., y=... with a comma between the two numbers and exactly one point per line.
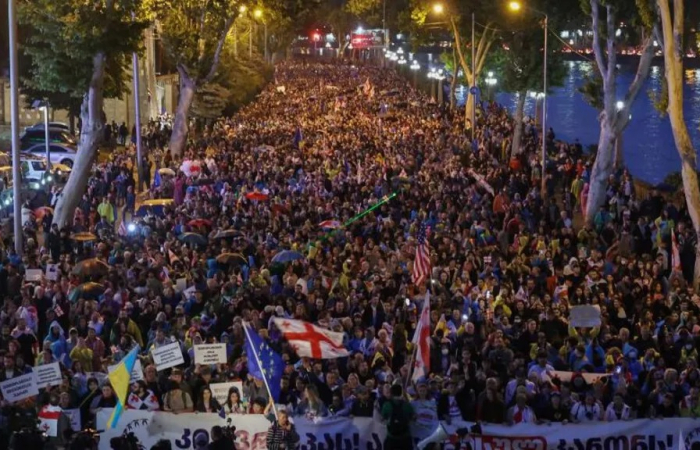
x=491, y=81
x=316, y=37
x=620, y=104
x=438, y=8
x=258, y=13
x=242, y=9
x=517, y=6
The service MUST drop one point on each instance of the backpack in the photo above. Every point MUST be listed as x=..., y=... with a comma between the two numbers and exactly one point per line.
x=399, y=420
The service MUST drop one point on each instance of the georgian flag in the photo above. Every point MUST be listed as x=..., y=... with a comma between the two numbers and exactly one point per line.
x=421, y=341
x=310, y=340
x=48, y=420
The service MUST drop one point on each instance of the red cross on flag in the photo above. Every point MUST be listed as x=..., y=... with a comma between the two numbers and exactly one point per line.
x=312, y=341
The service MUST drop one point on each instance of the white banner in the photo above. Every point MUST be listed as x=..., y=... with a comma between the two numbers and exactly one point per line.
x=184, y=430
x=587, y=316
x=168, y=356
x=136, y=372
x=19, y=388
x=33, y=275
x=210, y=354
x=74, y=416
x=48, y=375
x=220, y=390
x=52, y=272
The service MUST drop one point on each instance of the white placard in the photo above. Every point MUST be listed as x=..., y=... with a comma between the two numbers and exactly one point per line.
x=136, y=371
x=74, y=416
x=52, y=272
x=220, y=390
x=586, y=316
x=33, y=274
x=48, y=375
x=210, y=354
x=168, y=356
x=19, y=388
x=180, y=284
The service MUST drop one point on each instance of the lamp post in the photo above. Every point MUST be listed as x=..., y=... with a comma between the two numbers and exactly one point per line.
x=317, y=37
x=415, y=67
x=517, y=6
x=14, y=125
x=491, y=81
x=258, y=15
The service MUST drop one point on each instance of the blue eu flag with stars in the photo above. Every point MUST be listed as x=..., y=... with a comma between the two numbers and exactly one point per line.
x=267, y=366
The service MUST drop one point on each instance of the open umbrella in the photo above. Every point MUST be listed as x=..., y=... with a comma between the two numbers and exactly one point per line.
x=156, y=206
x=286, y=256
x=87, y=291
x=83, y=237
x=232, y=259
x=193, y=238
x=256, y=196
x=167, y=171
x=92, y=267
x=199, y=223
x=41, y=211
x=223, y=234
x=330, y=224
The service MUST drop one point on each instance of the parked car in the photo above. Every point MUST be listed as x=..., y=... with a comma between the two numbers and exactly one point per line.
x=57, y=125
x=33, y=136
x=60, y=153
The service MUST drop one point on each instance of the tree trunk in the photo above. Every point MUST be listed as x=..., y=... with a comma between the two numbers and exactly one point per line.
x=673, y=28
x=91, y=136
x=518, y=124
x=150, y=68
x=71, y=123
x=469, y=112
x=619, y=155
x=602, y=169
x=453, y=83
x=178, y=138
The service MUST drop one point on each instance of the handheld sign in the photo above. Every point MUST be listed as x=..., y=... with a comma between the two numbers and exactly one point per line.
x=220, y=390
x=33, y=274
x=168, y=356
x=210, y=354
x=52, y=272
x=587, y=316
x=19, y=388
x=48, y=375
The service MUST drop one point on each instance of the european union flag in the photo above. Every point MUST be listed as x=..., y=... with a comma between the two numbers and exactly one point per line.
x=267, y=365
x=157, y=181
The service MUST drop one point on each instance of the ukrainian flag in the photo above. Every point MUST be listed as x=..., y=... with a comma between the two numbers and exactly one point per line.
x=120, y=379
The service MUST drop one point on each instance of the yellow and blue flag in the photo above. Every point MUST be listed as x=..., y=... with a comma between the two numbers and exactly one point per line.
x=267, y=366
x=120, y=379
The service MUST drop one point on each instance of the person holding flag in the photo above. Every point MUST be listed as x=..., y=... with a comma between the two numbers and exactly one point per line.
x=264, y=364
x=120, y=379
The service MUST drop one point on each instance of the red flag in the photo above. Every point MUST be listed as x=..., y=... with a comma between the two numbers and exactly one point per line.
x=421, y=339
x=312, y=341
x=675, y=254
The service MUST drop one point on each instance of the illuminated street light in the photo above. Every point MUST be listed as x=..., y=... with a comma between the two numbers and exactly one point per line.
x=415, y=65
x=620, y=104
x=515, y=6
x=243, y=8
x=438, y=8
x=258, y=13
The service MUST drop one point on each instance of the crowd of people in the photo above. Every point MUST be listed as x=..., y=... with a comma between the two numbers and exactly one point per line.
x=319, y=146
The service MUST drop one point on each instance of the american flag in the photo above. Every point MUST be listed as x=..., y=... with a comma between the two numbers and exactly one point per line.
x=421, y=265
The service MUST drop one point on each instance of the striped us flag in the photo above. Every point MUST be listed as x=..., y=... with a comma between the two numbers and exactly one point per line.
x=421, y=265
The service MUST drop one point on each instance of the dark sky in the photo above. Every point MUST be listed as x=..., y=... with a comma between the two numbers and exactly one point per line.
x=3, y=36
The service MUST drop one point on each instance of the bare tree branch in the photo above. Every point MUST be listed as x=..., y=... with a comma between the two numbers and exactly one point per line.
x=597, y=48
x=219, y=48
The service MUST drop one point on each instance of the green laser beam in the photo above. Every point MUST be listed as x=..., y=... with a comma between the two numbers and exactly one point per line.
x=384, y=200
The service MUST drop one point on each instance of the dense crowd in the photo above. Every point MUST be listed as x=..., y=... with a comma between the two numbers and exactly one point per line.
x=323, y=144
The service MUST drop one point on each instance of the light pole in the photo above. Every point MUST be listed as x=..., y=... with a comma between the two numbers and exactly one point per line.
x=517, y=6
x=14, y=126
x=415, y=67
x=258, y=15
x=491, y=81
x=317, y=37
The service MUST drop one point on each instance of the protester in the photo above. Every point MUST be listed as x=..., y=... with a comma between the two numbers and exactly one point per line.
x=265, y=216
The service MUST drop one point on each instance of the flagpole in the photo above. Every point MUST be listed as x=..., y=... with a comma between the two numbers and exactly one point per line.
x=257, y=360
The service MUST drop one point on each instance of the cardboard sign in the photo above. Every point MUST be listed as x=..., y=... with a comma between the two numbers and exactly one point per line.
x=48, y=375
x=74, y=416
x=586, y=316
x=220, y=390
x=19, y=388
x=52, y=272
x=136, y=372
x=168, y=356
x=180, y=284
x=210, y=354
x=33, y=274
